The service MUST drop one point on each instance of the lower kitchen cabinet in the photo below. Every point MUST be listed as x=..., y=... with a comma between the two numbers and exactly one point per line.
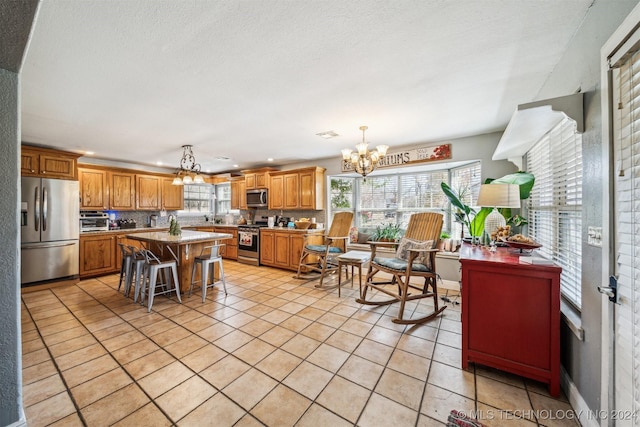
x=98, y=255
x=231, y=249
x=282, y=247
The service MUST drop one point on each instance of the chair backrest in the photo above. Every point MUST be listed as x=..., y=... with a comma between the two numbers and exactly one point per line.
x=125, y=250
x=340, y=225
x=425, y=226
x=150, y=256
x=214, y=251
x=137, y=252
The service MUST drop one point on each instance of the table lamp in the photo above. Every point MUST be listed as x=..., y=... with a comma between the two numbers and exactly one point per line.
x=498, y=196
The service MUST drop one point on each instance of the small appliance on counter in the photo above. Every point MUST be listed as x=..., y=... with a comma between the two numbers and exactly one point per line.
x=282, y=221
x=94, y=221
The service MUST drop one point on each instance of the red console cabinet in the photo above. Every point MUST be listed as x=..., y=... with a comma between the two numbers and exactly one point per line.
x=511, y=314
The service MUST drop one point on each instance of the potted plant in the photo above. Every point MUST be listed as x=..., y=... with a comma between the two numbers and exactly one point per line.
x=389, y=232
x=444, y=244
x=464, y=213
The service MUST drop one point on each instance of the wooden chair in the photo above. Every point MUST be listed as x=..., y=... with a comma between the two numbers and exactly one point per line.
x=320, y=257
x=415, y=257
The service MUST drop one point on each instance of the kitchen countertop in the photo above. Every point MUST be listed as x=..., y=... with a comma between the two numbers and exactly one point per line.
x=190, y=227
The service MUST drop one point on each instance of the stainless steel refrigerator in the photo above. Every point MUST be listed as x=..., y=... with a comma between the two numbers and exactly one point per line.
x=50, y=229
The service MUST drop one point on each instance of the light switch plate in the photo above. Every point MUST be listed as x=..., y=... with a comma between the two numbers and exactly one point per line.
x=595, y=236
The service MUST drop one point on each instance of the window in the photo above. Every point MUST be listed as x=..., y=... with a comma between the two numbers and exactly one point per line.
x=555, y=204
x=393, y=198
x=223, y=199
x=198, y=199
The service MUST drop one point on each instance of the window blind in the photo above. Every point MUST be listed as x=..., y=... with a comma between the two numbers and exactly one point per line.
x=555, y=204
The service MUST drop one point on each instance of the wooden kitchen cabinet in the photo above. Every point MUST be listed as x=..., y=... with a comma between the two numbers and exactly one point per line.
x=511, y=314
x=172, y=195
x=122, y=191
x=94, y=189
x=238, y=193
x=48, y=163
x=97, y=255
x=231, y=251
x=297, y=189
x=257, y=178
x=281, y=247
x=267, y=247
x=148, y=192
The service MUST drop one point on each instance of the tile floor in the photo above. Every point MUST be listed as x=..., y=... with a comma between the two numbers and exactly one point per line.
x=275, y=351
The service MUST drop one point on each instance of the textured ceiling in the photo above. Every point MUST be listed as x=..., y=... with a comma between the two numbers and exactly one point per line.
x=248, y=80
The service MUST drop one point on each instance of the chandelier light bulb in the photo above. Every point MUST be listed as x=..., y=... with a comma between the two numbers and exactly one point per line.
x=364, y=161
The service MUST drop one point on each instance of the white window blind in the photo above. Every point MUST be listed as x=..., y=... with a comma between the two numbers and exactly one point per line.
x=466, y=180
x=555, y=204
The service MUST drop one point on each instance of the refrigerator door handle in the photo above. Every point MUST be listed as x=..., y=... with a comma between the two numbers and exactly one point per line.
x=50, y=245
x=36, y=212
x=44, y=208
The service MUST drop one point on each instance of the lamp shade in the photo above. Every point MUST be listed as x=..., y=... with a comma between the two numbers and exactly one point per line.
x=499, y=196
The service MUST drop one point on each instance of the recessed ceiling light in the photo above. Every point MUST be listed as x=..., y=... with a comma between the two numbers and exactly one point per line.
x=223, y=158
x=159, y=163
x=235, y=166
x=89, y=153
x=270, y=159
x=327, y=134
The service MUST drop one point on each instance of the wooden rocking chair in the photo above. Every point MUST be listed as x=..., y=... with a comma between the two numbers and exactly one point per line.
x=415, y=257
x=320, y=258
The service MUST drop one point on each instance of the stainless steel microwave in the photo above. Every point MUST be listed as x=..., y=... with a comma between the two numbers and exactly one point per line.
x=257, y=198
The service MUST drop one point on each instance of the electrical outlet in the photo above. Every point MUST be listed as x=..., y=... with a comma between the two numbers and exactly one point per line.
x=595, y=236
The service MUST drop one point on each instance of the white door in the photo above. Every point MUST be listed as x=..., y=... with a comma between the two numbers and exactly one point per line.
x=624, y=359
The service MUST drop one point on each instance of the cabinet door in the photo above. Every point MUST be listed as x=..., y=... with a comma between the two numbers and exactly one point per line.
x=235, y=199
x=307, y=190
x=296, y=244
x=250, y=180
x=29, y=163
x=231, y=249
x=276, y=192
x=267, y=247
x=291, y=188
x=262, y=179
x=242, y=194
x=97, y=255
x=94, y=192
x=281, y=242
x=172, y=195
x=122, y=191
x=148, y=192
x=54, y=166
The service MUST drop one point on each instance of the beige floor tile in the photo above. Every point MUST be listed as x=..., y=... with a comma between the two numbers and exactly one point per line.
x=410, y=364
x=248, y=421
x=199, y=323
x=185, y=397
x=239, y=319
x=281, y=407
x=90, y=391
x=157, y=327
x=453, y=379
x=219, y=408
x=401, y=388
x=553, y=412
x=64, y=335
x=494, y=417
x=257, y=327
x=301, y=346
x=75, y=358
x=382, y=411
x=344, y=398
x=316, y=416
x=115, y=406
x=428, y=331
x=356, y=327
x=225, y=371
x=295, y=323
x=134, y=351
x=50, y=410
x=165, y=379
x=373, y=351
x=171, y=336
x=41, y=390
x=279, y=364
x=328, y=357
x=318, y=331
x=186, y=345
x=89, y=370
x=438, y=403
x=308, y=380
x=501, y=395
x=344, y=340
x=311, y=313
x=498, y=375
x=276, y=316
x=35, y=358
x=333, y=320
x=233, y=341
x=451, y=339
x=425, y=421
x=203, y=357
x=449, y=355
x=250, y=388
x=254, y=351
x=277, y=336
x=33, y=345
x=384, y=336
x=147, y=416
x=215, y=332
x=72, y=420
x=361, y=371
x=145, y=365
x=416, y=345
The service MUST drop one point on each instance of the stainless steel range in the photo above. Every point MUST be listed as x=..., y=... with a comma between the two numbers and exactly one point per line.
x=249, y=244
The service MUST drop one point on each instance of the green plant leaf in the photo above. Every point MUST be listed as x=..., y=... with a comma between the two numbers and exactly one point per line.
x=523, y=179
x=454, y=198
x=477, y=224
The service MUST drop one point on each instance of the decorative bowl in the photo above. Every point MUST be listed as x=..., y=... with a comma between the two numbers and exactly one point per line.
x=302, y=225
x=521, y=245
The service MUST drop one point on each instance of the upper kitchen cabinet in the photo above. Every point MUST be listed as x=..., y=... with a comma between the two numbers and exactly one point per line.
x=149, y=192
x=257, y=178
x=297, y=189
x=172, y=195
x=94, y=189
x=238, y=193
x=48, y=163
x=122, y=191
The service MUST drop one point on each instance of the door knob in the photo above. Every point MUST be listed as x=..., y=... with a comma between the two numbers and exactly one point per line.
x=612, y=290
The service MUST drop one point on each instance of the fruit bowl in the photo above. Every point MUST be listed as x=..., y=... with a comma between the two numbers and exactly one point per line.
x=302, y=225
x=521, y=245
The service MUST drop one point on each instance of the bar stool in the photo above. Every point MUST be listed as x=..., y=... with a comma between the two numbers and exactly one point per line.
x=138, y=260
x=152, y=267
x=125, y=268
x=206, y=260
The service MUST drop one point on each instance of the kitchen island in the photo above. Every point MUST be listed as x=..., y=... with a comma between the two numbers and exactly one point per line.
x=183, y=248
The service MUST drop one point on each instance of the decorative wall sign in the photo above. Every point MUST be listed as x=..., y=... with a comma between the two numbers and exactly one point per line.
x=396, y=159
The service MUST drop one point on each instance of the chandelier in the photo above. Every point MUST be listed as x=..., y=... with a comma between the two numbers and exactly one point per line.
x=364, y=161
x=188, y=167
